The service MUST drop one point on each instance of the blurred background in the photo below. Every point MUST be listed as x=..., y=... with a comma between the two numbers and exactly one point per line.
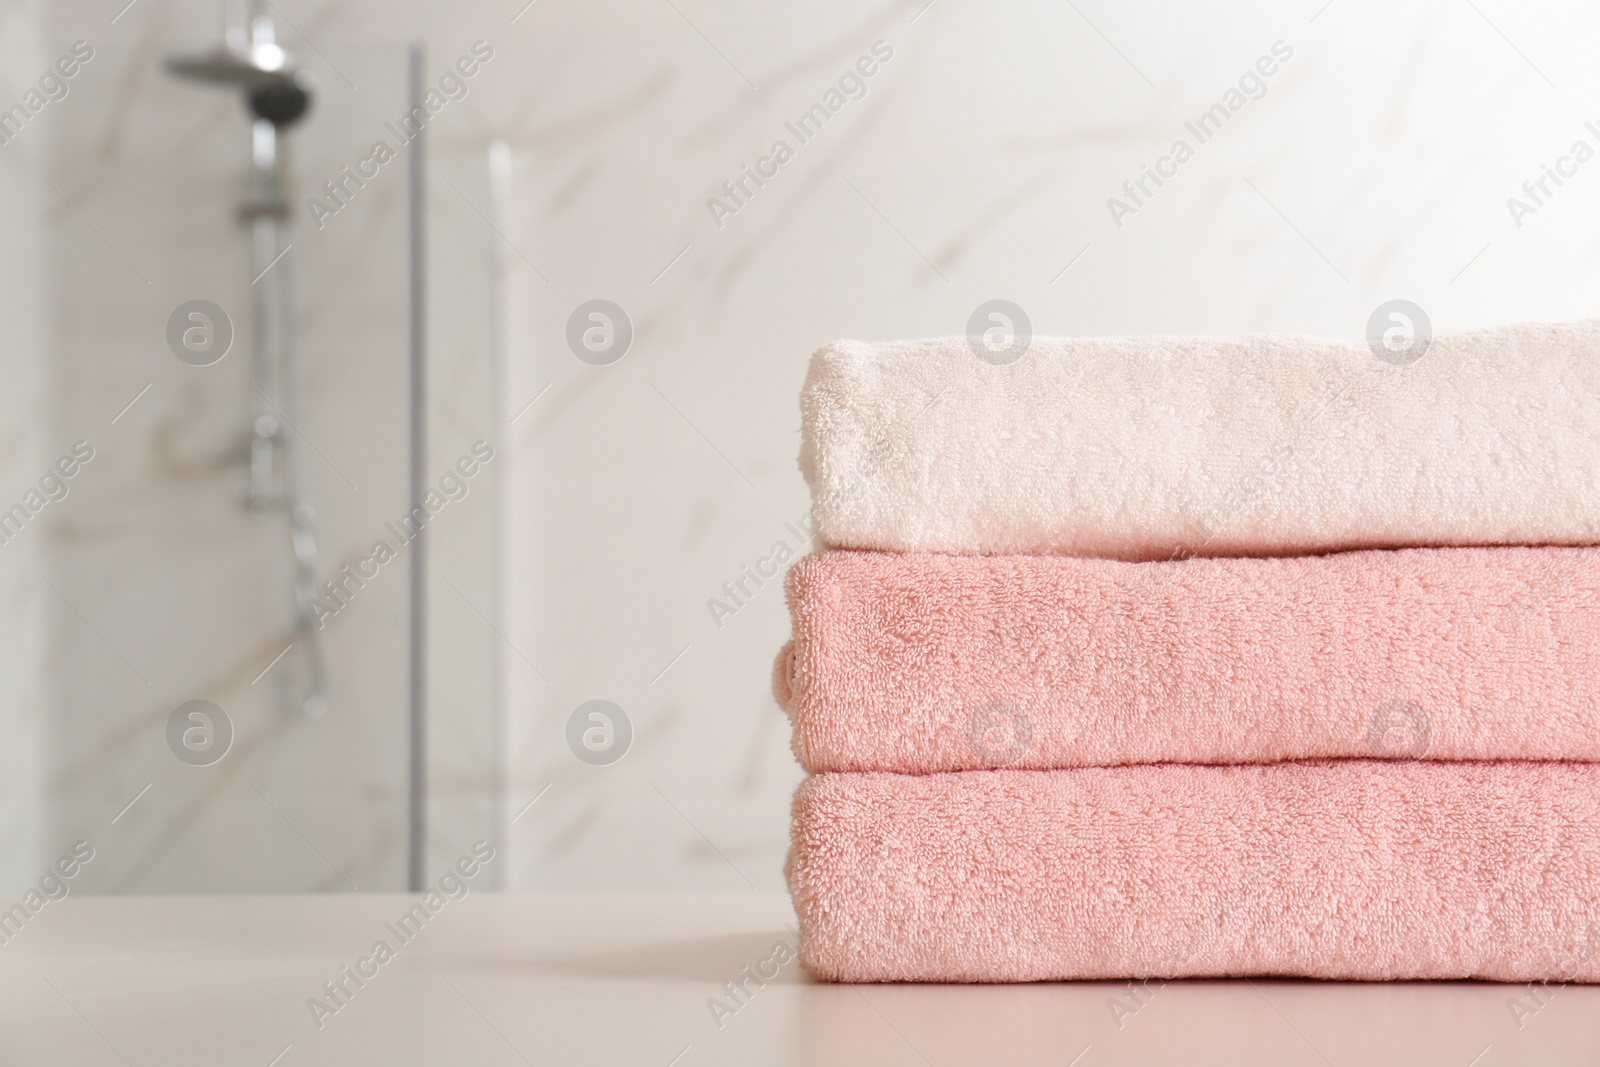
x=400, y=316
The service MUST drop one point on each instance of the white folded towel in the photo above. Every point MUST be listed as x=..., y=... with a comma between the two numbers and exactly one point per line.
x=1146, y=448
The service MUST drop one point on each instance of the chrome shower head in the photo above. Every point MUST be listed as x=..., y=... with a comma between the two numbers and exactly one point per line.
x=278, y=88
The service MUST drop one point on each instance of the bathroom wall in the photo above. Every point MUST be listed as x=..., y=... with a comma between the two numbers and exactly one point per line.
x=1374, y=162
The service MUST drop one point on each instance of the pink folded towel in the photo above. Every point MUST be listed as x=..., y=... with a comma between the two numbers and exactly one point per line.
x=922, y=663
x=1351, y=869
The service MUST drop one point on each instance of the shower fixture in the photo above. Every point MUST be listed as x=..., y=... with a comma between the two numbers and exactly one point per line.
x=277, y=93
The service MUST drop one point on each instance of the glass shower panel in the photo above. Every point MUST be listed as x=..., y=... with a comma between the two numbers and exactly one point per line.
x=163, y=587
x=466, y=636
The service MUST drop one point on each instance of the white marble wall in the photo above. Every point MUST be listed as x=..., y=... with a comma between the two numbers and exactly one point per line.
x=978, y=165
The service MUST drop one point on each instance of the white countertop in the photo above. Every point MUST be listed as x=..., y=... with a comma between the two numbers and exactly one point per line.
x=620, y=979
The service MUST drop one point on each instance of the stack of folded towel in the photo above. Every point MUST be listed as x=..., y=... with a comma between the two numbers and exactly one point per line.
x=1193, y=656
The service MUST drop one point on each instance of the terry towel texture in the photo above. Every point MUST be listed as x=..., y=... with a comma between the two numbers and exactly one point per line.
x=1348, y=869
x=920, y=663
x=1152, y=448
